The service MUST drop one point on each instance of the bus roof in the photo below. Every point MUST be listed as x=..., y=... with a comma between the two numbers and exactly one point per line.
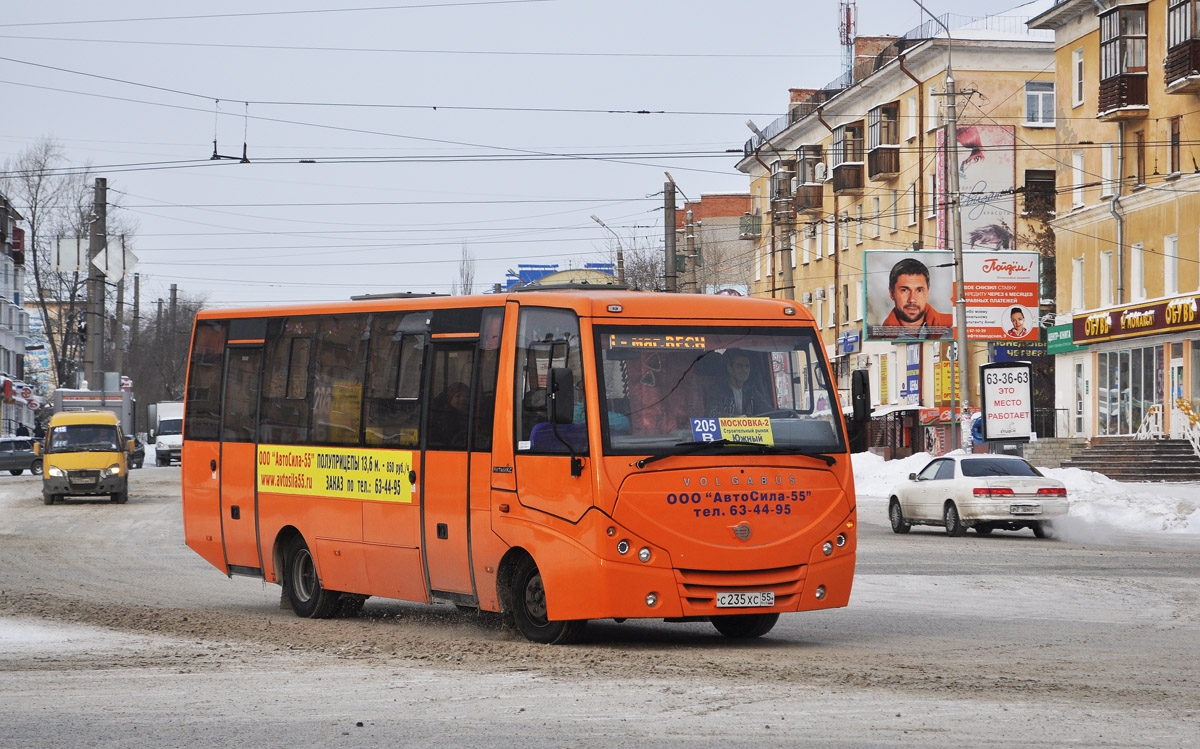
x=597, y=303
x=63, y=418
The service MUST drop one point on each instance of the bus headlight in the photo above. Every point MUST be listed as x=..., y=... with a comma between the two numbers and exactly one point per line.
x=56, y=472
x=644, y=554
x=827, y=548
x=113, y=470
x=820, y=593
x=651, y=599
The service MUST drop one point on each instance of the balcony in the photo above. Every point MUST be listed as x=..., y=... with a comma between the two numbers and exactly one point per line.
x=810, y=196
x=1123, y=97
x=848, y=177
x=1181, y=69
x=750, y=226
x=883, y=162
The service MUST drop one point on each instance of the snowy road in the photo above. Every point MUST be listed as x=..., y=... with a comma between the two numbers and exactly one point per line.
x=112, y=633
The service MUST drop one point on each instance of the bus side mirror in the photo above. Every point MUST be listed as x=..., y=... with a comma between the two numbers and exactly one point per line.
x=562, y=395
x=860, y=395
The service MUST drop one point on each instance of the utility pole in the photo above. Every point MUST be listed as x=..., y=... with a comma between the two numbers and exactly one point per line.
x=960, y=301
x=94, y=359
x=136, y=319
x=689, y=259
x=669, y=227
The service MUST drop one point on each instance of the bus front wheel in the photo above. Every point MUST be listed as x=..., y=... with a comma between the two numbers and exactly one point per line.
x=302, y=586
x=530, y=612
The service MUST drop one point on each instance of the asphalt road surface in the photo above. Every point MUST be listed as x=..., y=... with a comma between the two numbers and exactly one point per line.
x=115, y=634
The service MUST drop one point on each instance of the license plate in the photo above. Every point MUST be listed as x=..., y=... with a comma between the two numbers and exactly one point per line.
x=1024, y=509
x=745, y=600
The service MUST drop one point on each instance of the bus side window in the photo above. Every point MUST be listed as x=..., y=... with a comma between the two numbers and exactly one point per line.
x=392, y=408
x=546, y=338
x=286, y=407
x=338, y=384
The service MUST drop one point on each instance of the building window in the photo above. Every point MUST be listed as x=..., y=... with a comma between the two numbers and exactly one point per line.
x=931, y=208
x=1123, y=42
x=809, y=233
x=933, y=110
x=832, y=236
x=912, y=204
x=1173, y=148
x=1039, y=104
x=913, y=118
x=1077, y=301
x=858, y=302
x=883, y=126
x=1077, y=77
x=858, y=223
x=878, y=218
x=1107, y=168
x=1039, y=192
x=845, y=303
x=1179, y=22
x=819, y=238
x=1106, y=276
x=1171, y=265
x=847, y=144
x=1139, y=145
x=832, y=322
x=1137, y=272
x=1078, y=177
x=895, y=210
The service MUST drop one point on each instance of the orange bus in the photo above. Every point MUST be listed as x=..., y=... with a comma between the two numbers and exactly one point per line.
x=556, y=455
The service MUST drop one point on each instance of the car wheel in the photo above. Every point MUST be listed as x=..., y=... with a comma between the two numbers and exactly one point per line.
x=896, y=515
x=984, y=530
x=36, y=468
x=529, y=609
x=952, y=521
x=744, y=626
x=1041, y=529
x=303, y=588
x=16, y=471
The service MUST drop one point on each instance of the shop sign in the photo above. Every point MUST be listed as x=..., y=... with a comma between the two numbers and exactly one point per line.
x=1136, y=320
x=1059, y=340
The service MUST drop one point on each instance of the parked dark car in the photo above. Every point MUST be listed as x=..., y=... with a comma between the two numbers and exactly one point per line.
x=16, y=456
x=138, y=456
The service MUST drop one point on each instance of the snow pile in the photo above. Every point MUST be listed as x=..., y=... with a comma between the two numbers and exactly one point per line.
x=1098, y=503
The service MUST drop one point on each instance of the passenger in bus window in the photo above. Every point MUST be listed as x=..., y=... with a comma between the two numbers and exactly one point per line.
x=448, y=417
x=739, y=393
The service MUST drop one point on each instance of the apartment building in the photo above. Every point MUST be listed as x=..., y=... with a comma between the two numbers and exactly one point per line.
x=16, y=397
x=1128, y=214
x=860, y=165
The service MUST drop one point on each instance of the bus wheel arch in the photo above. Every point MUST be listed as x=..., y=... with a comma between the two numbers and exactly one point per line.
x=523, y=601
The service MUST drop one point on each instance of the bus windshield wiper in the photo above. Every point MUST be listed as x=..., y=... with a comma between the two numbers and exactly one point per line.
x=695, y=447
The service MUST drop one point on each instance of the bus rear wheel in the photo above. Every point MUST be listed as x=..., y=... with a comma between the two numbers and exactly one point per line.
x=530, y=612
x=302, y=586
x=744, y=626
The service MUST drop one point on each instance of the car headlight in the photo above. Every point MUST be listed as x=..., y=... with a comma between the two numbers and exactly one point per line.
x=160, y=445
x=113, y=470
x=56, y=472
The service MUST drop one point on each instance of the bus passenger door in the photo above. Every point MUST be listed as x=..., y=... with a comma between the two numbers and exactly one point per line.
x=445, y=495
x=239, y=498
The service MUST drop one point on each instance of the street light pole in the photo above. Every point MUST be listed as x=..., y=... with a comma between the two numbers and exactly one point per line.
x=620, y=250
x=960, y=300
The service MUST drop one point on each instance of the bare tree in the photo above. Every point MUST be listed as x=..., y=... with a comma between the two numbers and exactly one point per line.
x=56, y=200
x=644, y=264
x=466, y=274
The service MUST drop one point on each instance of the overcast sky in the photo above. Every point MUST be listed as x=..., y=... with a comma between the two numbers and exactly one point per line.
x=385, y=138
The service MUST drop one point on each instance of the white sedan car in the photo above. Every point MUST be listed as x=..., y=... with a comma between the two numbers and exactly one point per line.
x=984, y=492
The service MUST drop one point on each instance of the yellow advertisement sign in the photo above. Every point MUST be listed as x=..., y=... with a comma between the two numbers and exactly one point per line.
x=336, y=472
x=756, y=429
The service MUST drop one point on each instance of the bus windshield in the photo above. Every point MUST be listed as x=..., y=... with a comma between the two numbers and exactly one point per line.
x=664, y=388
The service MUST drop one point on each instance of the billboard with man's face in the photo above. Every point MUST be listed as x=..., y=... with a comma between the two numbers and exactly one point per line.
x=910, y=295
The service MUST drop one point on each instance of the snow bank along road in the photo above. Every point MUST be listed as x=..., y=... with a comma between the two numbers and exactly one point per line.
x=113, y=633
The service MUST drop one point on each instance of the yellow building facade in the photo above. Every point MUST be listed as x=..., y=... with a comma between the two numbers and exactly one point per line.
x=1128, y=214
x=860, y=165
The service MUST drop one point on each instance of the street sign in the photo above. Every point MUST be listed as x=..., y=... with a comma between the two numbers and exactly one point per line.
x=114, y=262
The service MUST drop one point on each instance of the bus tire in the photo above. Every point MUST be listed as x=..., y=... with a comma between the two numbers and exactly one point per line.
x=744, y=626
x=120, y=497
x=49, y=498
x=303, y=588
x=530, y=612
